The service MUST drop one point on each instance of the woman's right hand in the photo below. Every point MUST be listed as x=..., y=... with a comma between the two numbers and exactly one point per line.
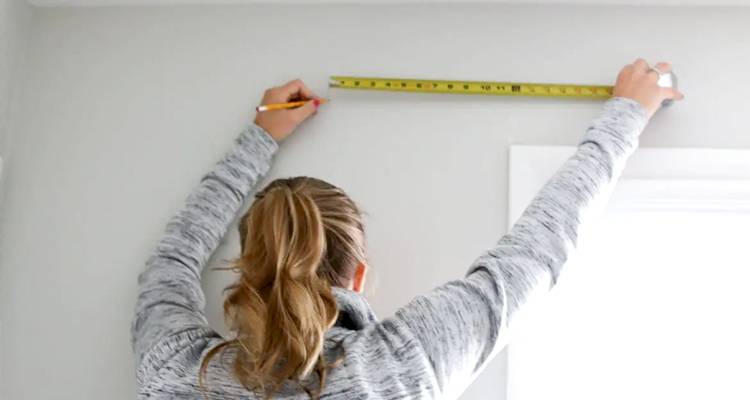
x=637, y=82
x=281, y=123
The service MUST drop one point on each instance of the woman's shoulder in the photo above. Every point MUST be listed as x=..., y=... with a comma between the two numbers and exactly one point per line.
x=171, y=365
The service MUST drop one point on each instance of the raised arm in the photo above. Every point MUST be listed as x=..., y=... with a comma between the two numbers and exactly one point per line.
x=170, y=299
x=460, y=324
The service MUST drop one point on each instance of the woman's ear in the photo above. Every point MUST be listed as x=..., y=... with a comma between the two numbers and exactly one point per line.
x=358, y=281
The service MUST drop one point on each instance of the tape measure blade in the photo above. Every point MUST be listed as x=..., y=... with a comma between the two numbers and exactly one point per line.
x=472, y=87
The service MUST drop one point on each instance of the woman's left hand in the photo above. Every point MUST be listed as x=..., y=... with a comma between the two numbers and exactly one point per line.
x=281, y=123
x=640, y=82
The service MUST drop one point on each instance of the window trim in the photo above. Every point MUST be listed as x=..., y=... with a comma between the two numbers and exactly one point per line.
x=724, y=170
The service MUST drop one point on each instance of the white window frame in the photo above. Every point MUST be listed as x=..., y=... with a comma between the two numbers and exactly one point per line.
x=654, y=178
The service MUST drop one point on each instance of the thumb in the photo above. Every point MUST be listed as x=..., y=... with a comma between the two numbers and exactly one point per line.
x=304, y=112
x=671, y=93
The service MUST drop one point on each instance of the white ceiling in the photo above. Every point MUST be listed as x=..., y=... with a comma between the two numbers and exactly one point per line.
x=590, y=2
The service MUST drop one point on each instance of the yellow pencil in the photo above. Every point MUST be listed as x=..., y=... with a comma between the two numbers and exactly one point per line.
x=281, y=106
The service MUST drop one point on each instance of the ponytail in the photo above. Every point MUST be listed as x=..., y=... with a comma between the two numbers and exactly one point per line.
x=282, y=304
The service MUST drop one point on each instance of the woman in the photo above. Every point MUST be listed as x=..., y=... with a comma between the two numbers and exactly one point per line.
x=302, y=328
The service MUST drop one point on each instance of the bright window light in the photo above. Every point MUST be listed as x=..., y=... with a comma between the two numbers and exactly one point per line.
x=654, y=305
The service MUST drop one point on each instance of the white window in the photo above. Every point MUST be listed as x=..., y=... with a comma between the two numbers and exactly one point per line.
x=656, y=302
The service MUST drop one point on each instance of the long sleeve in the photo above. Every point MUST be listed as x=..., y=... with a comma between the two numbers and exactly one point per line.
x=170, y=299
x=459, y=325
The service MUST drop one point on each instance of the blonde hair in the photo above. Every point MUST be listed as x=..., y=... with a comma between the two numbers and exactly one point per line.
x=300, y=237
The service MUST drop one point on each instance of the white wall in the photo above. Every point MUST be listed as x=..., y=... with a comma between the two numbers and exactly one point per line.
x=15, y=19
x=124, y=108
x=76, y=3
x=15, y=16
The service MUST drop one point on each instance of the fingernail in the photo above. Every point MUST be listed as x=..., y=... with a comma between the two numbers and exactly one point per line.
x=316, y=103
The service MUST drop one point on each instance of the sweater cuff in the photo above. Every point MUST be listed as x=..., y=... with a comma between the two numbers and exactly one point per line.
x=254, y=134
x=618, y=126
x=251, y=157
x=256, y=146
x=629, y=109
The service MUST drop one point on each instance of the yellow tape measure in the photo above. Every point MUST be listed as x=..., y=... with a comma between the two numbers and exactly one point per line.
x=473, y=87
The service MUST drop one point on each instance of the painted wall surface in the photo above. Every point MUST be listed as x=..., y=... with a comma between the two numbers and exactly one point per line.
x=15, y=21
x=58, y=3
x=15, y=17
x=123, y=109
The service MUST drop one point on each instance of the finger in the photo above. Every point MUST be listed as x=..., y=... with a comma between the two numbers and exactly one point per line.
x=640, y=65
x=304, y=112
x=295, y=88
x=625, y=72
x=663, y=66
x=671, y=93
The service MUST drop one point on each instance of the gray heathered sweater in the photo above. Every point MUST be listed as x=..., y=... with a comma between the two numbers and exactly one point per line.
x=432, y=346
